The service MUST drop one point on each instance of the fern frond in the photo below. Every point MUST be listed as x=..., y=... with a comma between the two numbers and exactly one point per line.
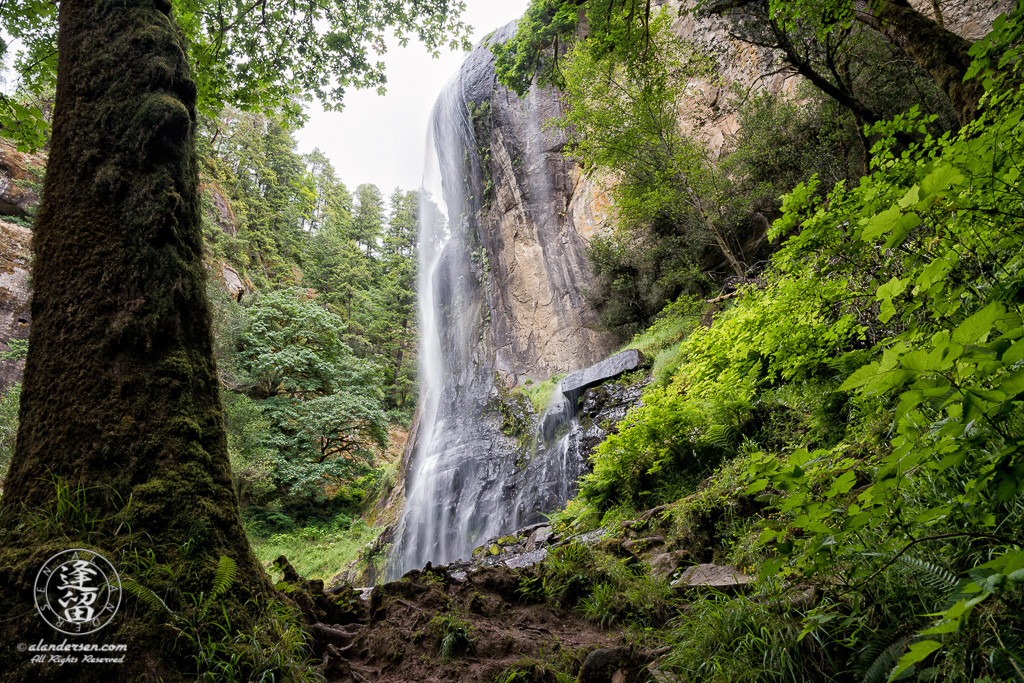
x=882, y=660
x=1008, y=664
x=931, y=575
x=720, y=435
x=144, y=595
x=225, y=576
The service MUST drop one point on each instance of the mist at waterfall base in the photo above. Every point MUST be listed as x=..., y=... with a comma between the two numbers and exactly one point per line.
x=467, y=481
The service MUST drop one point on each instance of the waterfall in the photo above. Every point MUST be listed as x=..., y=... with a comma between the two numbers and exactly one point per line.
x=480, y=467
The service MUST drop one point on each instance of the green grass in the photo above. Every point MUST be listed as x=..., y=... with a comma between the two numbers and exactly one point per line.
x=540, y=393
x=316, y=551
x=661, y=342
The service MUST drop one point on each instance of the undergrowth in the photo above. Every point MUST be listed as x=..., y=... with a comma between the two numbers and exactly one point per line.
x=317, y=551
x=852, y=421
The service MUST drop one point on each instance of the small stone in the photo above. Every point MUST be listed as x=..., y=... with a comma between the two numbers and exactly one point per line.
x=507, y=540
x=495, y=549
x=539, y=538
x=479, y=551
x=641, y=544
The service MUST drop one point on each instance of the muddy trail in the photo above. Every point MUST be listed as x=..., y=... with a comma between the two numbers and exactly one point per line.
x=430, y=627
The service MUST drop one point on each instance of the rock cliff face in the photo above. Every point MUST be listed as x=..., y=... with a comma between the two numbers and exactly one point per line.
x=503, y=301
x=20, y=181
x=540, y=322
x=15, y=295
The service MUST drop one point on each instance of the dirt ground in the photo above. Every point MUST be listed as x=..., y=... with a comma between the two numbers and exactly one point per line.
x=397, y=635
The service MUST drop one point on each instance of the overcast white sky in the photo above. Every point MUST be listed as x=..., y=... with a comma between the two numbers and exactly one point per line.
x=380, y=140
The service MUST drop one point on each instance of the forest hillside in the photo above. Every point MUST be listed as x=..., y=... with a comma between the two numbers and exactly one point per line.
x=800, y=225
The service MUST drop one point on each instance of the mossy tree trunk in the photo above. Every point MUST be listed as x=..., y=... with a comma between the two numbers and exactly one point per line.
x=120, y=396
x=937, y=50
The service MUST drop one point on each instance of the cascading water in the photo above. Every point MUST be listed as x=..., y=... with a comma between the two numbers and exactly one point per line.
x=471, y=476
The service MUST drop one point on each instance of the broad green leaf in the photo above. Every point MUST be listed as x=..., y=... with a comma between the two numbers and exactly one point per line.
x=940, y=179
x=942, y=627
x=901, y=229
x=842, y=485
x=917, y=652
x=977, y=327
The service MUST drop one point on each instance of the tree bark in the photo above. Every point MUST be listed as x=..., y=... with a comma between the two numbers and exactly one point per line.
x=120, y=397
x=937, y=50
x=934, y=48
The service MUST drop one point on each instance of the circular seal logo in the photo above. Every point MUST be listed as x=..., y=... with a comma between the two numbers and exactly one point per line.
x=77, y=592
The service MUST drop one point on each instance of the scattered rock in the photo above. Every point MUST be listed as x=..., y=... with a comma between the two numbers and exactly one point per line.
x=663, y=566
x=641, y=544
x=540, y=538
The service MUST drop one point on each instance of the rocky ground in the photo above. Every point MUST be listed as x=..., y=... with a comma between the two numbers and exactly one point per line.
x=477, y=620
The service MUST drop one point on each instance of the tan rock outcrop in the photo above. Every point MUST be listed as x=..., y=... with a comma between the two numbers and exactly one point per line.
x=591, y=209
x=20, y=176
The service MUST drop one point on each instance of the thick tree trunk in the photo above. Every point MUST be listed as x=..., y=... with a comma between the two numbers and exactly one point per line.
x=937, y=50
x=120, y=397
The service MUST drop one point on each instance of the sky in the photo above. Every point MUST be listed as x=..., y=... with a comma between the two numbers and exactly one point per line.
x=381, y=139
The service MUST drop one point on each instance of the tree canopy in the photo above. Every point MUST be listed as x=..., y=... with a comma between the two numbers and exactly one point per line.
x=257, y=56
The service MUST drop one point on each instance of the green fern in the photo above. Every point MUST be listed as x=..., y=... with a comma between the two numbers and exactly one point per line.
x=145, y=595
x=225, y=576
x=1008, y=663
x=931, y=575
x=876, y=662
x=720, y=435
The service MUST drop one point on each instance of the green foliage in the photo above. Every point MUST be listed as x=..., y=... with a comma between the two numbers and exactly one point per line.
x=318, y=550
x=277, y=648
x=232, y=66
x=949, y=295
x=322, y=403
x=9, y=400
x=784, y=332
x=541, y=393
x=548, y=26
x=18, y=350
x=745, y=638
x=540, y=670
x=534, y=50
x=453, y=635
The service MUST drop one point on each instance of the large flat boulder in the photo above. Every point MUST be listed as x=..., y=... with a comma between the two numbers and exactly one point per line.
x=575, y=384
x=713, y=577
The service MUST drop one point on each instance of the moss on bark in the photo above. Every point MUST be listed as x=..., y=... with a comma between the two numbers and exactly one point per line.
x=120, y=396
x=937, y=50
